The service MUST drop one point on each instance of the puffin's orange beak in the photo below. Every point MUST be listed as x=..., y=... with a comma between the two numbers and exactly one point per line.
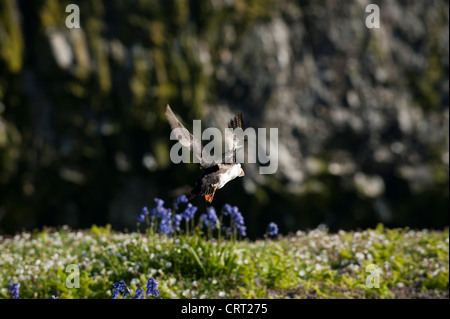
x=242, y=172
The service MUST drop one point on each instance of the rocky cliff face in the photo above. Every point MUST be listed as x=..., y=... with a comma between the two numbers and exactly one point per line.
x=362, y=113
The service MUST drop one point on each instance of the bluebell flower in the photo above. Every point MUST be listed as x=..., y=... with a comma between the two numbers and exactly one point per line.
x=227, y=209
x=182, y=199
x=159, y=202
x=141, y=218
x=144, y=213
x=189, y=212
x=160, y=211
x=205, y=220
x=139, y=293
x=272, y=229
x=152, y=288
x=237, y=220
x=177, y=221
x=210, y=218
x=14, y=289
x=54, y=297
x=165, y=225
x=120, y=287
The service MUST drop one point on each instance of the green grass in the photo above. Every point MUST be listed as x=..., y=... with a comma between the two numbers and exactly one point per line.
x=314, y=264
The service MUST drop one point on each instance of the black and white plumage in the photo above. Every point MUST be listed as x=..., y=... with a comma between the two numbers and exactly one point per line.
x=215, y=174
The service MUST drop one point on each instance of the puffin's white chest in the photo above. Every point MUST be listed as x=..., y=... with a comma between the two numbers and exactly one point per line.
x=228, y=175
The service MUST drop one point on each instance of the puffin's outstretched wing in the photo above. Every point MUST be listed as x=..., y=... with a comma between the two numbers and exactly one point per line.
x=233, y=142
x=187, y=139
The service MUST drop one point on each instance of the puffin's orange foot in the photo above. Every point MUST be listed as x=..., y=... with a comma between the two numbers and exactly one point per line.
x=209, y=197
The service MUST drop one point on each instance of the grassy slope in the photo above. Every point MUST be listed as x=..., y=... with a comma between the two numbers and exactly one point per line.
x=313, y=264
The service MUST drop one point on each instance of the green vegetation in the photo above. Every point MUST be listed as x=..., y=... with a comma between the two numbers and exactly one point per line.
x=313, y=264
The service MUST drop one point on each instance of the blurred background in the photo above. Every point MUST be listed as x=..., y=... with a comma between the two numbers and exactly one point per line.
x=363, y=114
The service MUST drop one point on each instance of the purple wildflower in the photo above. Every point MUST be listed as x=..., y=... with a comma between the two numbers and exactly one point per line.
x=120, y=287
x=159, y=202
x=165, y=225
x=210, y=218
x=227, y=209
x=189, y=212
x=237, y=220
x=141, y=218
x=139, y=293
x=14, y=289
x=272, y=229
x=179, y=200
x=152, y=288
x=177, y=221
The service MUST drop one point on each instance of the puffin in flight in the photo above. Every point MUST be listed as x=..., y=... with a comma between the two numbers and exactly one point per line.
x=215, y=173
